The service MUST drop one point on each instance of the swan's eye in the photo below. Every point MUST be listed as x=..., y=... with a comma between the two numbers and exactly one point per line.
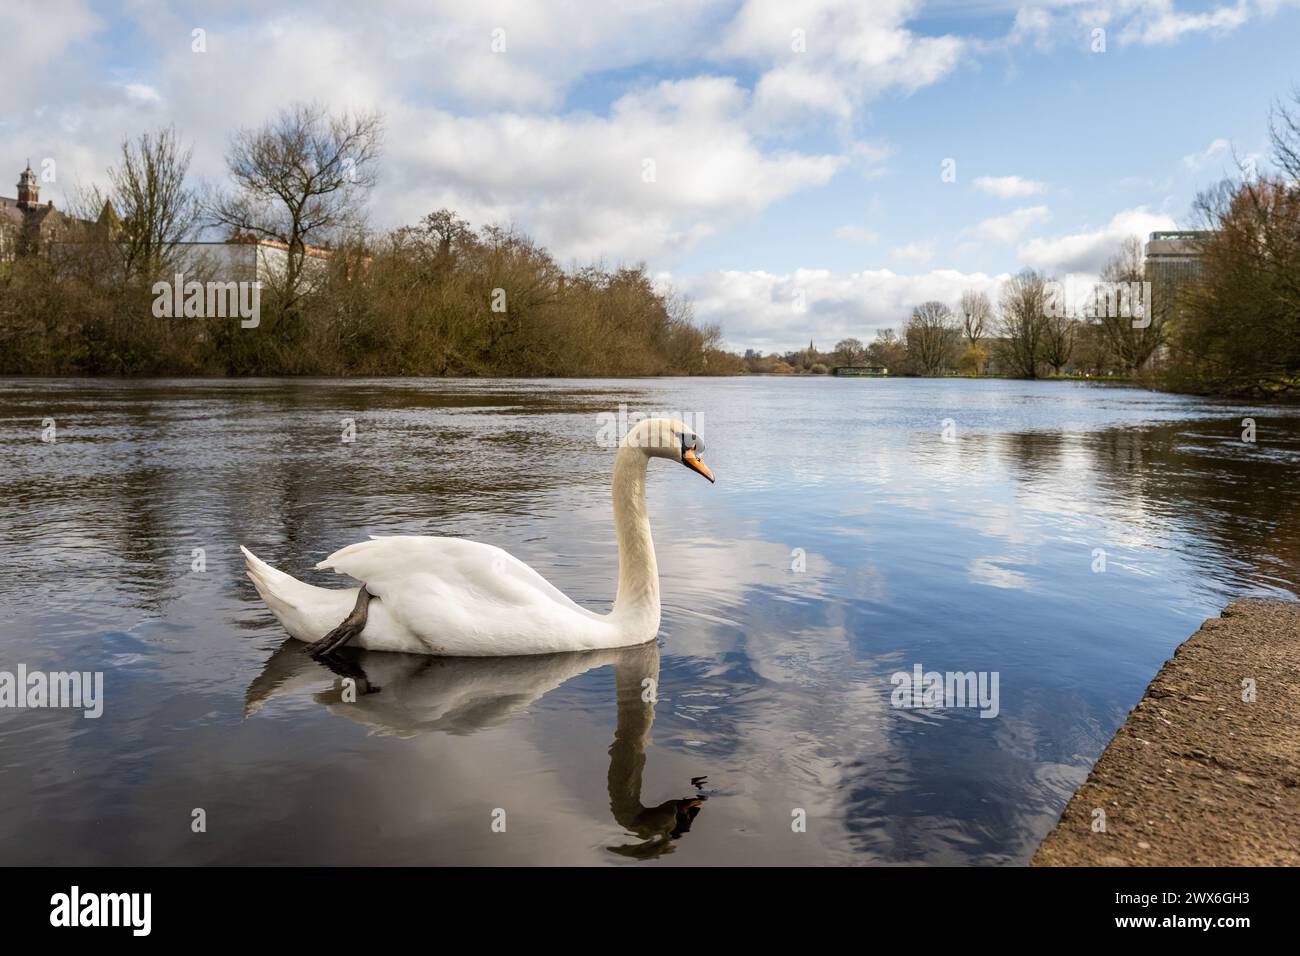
x=692, y=452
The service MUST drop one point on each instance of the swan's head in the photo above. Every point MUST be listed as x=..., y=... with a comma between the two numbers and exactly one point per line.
x=668, y=438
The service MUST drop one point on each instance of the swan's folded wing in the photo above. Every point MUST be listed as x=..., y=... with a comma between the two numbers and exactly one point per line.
x=458, y=583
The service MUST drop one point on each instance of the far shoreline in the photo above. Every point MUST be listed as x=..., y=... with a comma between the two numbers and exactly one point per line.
x=1279, y=401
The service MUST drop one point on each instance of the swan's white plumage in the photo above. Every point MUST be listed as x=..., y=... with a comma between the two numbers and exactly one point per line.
x=453, y=597
x=464, y=598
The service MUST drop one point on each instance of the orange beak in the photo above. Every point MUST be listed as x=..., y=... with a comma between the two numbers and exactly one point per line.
x=692, y=461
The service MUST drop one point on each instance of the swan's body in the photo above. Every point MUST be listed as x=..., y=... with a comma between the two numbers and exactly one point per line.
x=443, y=596
x=458, y=598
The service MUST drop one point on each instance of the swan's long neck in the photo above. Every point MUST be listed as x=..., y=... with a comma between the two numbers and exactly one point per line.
x=637, y=603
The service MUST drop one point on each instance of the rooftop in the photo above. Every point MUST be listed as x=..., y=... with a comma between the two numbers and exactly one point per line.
x=1178, y=245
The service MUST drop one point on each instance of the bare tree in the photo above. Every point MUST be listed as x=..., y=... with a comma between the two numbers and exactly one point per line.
x=1284, y=131
x=850, y=351
x=1133, y=334
x=438, y=243
x=300, y=179
x=931, y=333
x=148, y=208
x=976, y=314
x=448, y=232
x=1238, y=328
x=1059, y=334
x=887, y=350
x=1023, y=309
x=977, y=317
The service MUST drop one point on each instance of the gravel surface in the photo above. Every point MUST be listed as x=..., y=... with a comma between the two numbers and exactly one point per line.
x=1199, y=776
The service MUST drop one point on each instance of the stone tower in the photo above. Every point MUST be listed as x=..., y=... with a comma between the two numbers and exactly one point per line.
x=29, y=193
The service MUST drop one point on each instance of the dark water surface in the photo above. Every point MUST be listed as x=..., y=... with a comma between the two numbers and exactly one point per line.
x=970, y=554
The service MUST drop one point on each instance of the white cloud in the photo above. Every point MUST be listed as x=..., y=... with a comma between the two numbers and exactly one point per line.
x=580, y=182
x=517, y=136
x=916, y=252
x=44, y=68
x=1219, y=157
x=574, y=179
x=141, y=93
x=39, y=41
x=793, y=92
x=1032, y=25
x=1012, y=226
x=492, y=134
x=1211, y=154
x=852, y=53
x=1087, y=252
x=870, y=159
x=755, y=309
x=1009, y=187
x=1161, y=24
x=516, y=54
x=1131, y=22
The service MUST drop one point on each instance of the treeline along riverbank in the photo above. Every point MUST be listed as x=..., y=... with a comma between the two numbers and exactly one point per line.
x=439, y=298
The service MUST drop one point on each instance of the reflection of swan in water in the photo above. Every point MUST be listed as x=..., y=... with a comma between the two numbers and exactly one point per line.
x=407, y=695
x=458, y=598
x=636, y=680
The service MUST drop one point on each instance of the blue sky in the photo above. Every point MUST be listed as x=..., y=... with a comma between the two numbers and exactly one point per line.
x=780, y=174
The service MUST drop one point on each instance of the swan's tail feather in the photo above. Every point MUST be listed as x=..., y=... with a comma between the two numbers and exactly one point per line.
x=275, y=587
x=297, y=605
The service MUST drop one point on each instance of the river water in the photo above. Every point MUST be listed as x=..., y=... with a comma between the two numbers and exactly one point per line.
x=1060, y=538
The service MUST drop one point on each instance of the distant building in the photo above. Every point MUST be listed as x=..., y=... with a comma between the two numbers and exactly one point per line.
x=1175, y=257
x=26, y=225
x=1173, y=261
x=243, y=258
x=874, y=371
x=248, y=258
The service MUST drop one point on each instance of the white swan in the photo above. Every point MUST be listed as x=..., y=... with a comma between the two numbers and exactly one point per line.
x=458, y=598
